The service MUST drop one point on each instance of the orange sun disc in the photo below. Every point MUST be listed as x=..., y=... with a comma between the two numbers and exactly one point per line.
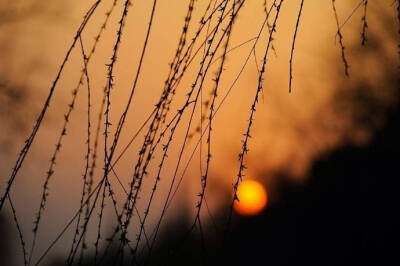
x=252, y=198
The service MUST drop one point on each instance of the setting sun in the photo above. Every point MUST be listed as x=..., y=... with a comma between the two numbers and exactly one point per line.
x=252, y=198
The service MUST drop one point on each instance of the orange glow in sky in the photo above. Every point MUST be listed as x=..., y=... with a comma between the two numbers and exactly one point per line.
x=252, y=198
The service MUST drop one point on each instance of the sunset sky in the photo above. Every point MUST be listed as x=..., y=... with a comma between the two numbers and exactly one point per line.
x=290, y=132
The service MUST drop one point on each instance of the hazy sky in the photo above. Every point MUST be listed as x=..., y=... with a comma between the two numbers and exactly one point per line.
x=290, y=129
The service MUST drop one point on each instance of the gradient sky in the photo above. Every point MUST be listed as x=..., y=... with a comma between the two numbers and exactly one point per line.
x=291, y=130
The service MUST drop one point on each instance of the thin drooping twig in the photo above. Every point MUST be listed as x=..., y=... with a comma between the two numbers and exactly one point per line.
x=88, y=149
x=63, y=133
x=99, y=119
x=110, y=84
x=223, y=101
x=247, y=135
x=51, y=169
x=108, y=155
x=209, y=126
x=111, y=194
x=123, y=116
x=169, y=90
x=207, y=102
x=69, y=223
x=136, y=209
x=20, y=235
x=136, y=78
x=107, y=186
x=42, y=114
x=96, y=243
x=341, y=42
x=159, y=127
x=201, y=75
x=95, y=192
x=86, y=203
x=293, y=46
x=149, y=138
x=364, y=24
x=214, y=93
x=202, y=23
x=217, y=79
x=266, y=11
x=135, y=82
x=199, y=128
x=188, y=57
x=353, y=11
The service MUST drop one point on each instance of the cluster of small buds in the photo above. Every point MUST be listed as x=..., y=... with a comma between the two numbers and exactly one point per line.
x=340, y=40
x=50, y=172
x=364, y=24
